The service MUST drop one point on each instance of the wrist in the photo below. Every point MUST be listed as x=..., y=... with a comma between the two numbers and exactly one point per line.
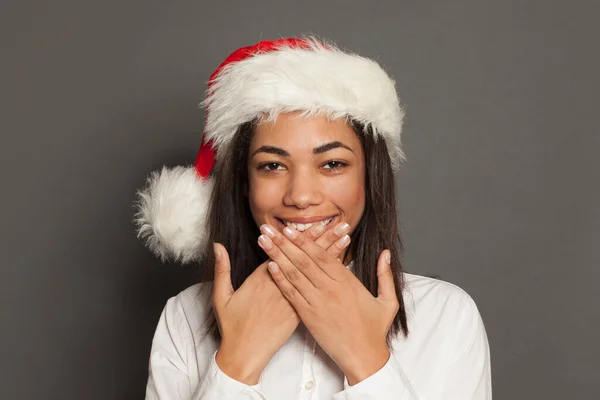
x=365, y=366
x=242, y=369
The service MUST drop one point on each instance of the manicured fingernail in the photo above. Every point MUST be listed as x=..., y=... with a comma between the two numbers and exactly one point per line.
x=317, y=229
x=267, y=230
x=273, y=267
x=217, y=252
x=341, y=228
x=343, y=242
x=289, y=232
x=388, y=257
x=265, y=242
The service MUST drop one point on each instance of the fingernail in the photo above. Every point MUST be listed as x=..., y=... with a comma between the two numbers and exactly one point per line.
x=265, y=242
x=341, y=228
x=273, y=267
x=289, y=232
x=217, y=252
x=266, y=229
x=317, y=229
x=343, y=242
x=388, y=257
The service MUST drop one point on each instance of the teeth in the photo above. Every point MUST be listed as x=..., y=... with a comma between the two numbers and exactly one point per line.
x=303, y=227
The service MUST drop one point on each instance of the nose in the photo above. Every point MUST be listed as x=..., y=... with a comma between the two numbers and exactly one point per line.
x=303, y=190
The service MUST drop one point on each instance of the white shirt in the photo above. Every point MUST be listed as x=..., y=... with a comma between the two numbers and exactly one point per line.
x=445, y=357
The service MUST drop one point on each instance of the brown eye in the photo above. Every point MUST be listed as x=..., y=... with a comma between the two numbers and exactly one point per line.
x=334, y=165
x=271, y=166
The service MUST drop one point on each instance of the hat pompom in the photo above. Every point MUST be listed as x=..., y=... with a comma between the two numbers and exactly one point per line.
x=171, y=216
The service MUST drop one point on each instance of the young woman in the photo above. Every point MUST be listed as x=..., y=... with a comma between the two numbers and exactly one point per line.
x=291, y=209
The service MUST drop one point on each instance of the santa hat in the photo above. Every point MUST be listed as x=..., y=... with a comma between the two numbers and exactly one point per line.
x=263, y=80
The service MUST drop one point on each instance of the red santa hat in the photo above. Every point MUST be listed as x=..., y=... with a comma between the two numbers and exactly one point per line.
x=262, y=81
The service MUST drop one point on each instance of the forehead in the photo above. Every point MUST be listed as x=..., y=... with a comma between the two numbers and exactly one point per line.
x=294, y=132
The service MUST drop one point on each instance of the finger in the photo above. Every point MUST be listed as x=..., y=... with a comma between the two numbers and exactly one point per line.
x=340, y=245
x=222, y=287
x=329, y=237
x=320, y=258
x=297, y=273
x=287, y=289
x=386, y=289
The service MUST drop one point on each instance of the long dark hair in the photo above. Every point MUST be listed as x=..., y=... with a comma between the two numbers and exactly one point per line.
x=231, y=224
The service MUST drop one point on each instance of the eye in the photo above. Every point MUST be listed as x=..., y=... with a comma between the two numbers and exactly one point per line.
x=270, y=167
x=334, y=165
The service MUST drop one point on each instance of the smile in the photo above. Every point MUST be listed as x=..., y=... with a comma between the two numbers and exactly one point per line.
x=302, y=227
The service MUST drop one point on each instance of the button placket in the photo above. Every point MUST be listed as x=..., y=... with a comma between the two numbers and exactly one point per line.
x=307, y=370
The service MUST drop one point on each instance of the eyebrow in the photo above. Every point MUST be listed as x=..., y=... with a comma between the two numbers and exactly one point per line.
x=330, y=146
x=317, y=150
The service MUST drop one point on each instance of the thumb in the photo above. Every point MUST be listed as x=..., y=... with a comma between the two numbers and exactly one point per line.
x=222, y=287
x=386, y=289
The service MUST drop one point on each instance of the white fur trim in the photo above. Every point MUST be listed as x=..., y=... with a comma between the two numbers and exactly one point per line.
x=320, y=80
x=172, y=213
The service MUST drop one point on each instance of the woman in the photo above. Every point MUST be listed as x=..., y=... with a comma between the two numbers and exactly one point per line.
x=292, y=205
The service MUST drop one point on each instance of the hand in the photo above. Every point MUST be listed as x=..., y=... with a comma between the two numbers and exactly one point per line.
x=256, y=320
x=344, y=318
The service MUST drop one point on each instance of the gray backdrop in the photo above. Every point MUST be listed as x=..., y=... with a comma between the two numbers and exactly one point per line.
x=500, y=193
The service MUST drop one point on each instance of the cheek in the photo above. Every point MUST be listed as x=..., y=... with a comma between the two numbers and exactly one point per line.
x=263, y=195
x=349, y=195
x=358, y=200
x=359, y=195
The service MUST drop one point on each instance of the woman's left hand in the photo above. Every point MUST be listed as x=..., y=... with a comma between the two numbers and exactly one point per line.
x=344, y=318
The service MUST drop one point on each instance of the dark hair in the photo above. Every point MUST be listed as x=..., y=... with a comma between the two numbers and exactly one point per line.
x=231, y=224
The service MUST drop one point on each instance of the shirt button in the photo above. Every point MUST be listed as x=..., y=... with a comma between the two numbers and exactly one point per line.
x=309, y=385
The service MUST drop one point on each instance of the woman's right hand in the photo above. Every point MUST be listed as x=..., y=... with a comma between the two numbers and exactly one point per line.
x=255, y=320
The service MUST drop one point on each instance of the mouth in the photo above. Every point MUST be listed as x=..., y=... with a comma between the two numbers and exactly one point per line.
x=302, y=227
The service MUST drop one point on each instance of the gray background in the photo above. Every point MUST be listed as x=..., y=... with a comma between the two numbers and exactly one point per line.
x=500, y=193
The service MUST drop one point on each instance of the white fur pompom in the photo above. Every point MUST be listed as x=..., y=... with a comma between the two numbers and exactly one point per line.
x=171, y=215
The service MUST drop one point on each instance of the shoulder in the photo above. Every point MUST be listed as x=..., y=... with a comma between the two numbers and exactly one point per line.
x=191, y=306
x=432, y=291
x=434, y=302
